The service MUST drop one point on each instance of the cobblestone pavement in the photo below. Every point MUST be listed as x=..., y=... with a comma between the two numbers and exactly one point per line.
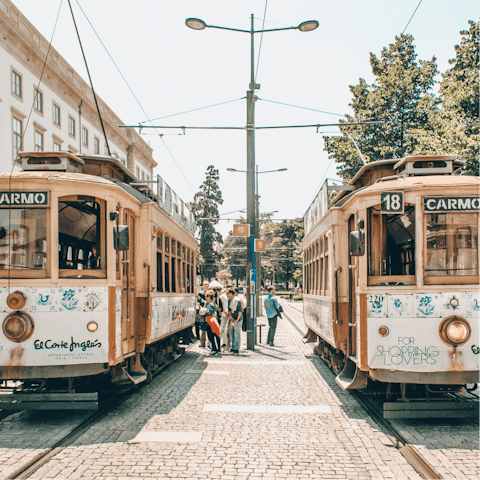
x=275, y=413
x=451, y=446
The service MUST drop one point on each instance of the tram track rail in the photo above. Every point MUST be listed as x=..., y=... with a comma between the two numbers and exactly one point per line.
x=112, y=402
x=408, y=451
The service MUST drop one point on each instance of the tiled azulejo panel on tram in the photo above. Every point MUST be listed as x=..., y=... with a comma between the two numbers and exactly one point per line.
x=431, y=305
x=59, y=299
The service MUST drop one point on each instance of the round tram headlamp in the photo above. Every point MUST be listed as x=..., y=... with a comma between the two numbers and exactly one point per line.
x=16, y=300
x=18, y=326
x=383, y=331
x=455, y=331
x=92, y=326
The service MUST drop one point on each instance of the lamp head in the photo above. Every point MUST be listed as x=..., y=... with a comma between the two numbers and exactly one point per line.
x=282, y=169
x=307, y=26
x=195, y=23
x=231, y=170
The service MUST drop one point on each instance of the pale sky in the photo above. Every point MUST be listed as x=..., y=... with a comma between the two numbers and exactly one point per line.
x=172, y=69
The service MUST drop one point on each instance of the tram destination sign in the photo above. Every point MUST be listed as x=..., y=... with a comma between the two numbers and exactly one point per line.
x=449, y=204
x=23, y=199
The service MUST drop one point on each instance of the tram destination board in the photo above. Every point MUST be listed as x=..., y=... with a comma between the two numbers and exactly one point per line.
x=17, y=198
x=448, y=204
x=392, y=202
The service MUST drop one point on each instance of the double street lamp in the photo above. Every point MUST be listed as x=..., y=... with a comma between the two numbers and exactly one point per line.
x=308, y=26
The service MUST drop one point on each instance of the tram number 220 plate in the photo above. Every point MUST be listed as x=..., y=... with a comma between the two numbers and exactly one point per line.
x=392, y=202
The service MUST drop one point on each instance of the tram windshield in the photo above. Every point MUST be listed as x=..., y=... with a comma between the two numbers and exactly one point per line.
x=23, y=238
x=79, y=235
x=391, y=245
x=452, y=244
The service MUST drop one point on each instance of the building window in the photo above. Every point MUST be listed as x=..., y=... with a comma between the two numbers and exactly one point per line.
x=71, y=126
x=85, y=136
x=38, y=141
x=56, y=115
x=38, y=101
x=148, y=178
x=96, y=146
x=143, y=175
x=16, y=84
x=138, y=172
x=105, y=150
x=17, y=137
x=56, y=147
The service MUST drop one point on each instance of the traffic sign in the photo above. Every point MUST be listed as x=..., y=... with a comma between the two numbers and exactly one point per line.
x=260, y=245
x=241, y=230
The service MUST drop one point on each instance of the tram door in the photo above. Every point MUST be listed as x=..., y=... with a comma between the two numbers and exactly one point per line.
x=129, y=311
x=352, y=283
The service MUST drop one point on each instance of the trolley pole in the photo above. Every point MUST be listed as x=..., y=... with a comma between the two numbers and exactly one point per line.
x=251, y=210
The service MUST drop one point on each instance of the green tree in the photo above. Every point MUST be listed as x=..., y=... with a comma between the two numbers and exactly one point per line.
x=454, y=128
x=205, y=209
x=285, y=260
x=400, y=96
x=235, y=256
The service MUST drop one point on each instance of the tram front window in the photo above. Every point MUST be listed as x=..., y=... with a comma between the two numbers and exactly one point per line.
x=23, y=239
x=79, y=244
x=452, y=244
x=391, y=246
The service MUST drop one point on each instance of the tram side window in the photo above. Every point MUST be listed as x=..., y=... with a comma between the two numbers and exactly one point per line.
x=391, y=243
x=159, y=273
x=79, y=244
x=23, y=239
x=452, y=244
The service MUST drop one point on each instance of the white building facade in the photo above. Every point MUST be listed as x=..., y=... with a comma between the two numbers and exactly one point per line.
x=60, y=113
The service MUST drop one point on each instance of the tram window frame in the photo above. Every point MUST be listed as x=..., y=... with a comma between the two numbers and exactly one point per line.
x=166, y=264
x=451, y=242
x=382, y=253
x=84, y=272
x=22, y=272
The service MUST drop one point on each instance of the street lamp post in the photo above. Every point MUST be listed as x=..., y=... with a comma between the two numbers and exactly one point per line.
x=258, y=255
x=197, y=24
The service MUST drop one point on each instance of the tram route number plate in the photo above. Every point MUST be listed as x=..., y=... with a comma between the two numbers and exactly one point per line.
x=392, y=202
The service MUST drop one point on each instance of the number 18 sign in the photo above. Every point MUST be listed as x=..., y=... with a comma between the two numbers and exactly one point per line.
x=392, y=202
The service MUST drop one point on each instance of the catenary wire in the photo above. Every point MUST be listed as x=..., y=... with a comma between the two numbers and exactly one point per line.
x=412, y=16
x=261, y=40
x=194, y=110
x=303, y=108
x=25, y=131
x=90, y=78
x=140, y=105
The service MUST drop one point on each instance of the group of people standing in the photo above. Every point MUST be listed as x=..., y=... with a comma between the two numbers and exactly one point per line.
x=227, y=308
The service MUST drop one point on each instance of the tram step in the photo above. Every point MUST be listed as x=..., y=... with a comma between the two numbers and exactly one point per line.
x=49, y=401
x=430, y=410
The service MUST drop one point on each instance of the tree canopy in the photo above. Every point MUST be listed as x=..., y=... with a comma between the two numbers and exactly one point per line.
x=205, y=209
x=400, y=96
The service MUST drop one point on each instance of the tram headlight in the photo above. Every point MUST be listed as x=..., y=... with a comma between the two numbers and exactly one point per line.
x=92, y=326
x=383, y=331
x=16, y=300
x=18, y=326
x=455, y=331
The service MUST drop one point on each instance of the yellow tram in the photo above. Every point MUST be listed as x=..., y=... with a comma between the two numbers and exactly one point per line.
x=96, y=274
x=391, y=276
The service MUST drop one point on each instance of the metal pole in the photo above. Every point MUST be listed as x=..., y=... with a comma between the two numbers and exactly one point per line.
x=251, y=189
x=258, y=256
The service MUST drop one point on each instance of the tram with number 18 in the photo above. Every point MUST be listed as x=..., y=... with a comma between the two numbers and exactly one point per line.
x=96, y=273
x=391, y=277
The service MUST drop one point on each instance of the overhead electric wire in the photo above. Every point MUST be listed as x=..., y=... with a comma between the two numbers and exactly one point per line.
x=23, y=135
x=90, y=78
x=140, y=105
x=261, y=40
x=303, y=108
x=412, y=16
x=195, y=109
